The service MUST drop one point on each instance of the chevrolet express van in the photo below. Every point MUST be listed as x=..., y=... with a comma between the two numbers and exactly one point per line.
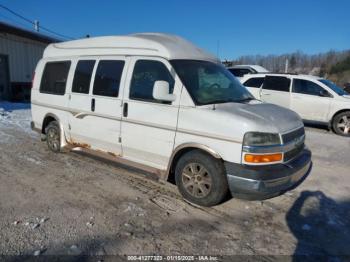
x=159, y=103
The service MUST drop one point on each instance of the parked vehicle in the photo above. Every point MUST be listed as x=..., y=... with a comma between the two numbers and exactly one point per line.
x=315, y=99
x=241, y=70
x=347, y=87
x=159, y=103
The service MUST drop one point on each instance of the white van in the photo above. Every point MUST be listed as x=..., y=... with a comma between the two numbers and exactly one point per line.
x=159, y=103
x=315, y=99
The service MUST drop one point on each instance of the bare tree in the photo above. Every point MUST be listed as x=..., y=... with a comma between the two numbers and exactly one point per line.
x=299, y=62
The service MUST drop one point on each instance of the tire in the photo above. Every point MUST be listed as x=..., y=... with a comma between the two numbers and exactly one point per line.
x=341, y=124
x=201, y=179
x=53, y=137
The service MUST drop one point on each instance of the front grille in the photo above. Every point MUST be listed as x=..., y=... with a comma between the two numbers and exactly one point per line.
x=295, y=138
x=293, y=153
x=289, y=137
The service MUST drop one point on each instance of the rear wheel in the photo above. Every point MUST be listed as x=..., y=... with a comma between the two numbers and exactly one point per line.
x=53, y=137
x=201, y=179
x=341, y=124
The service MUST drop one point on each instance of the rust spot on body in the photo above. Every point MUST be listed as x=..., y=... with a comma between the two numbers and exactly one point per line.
x=112, y=154
x=80, y=144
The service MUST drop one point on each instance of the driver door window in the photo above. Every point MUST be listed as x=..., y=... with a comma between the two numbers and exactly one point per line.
x=146, y=73
x=307, y=101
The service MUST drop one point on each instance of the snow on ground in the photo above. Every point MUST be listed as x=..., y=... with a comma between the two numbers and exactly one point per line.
x=14, y=115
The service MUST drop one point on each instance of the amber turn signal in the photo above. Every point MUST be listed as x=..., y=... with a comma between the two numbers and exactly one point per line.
x=249, y=158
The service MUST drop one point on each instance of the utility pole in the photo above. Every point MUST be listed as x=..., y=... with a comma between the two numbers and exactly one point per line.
x=36, y=25
x=286, y=66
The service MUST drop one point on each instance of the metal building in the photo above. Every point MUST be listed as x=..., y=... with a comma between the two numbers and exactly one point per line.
x=20, y=50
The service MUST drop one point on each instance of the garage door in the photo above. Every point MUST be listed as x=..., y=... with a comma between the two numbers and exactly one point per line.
x=4, y=77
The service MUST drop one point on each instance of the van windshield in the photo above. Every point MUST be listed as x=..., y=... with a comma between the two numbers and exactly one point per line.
x=210, y=83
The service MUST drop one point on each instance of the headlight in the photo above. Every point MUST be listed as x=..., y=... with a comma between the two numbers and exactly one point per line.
x=261, y=139
x=252, y=154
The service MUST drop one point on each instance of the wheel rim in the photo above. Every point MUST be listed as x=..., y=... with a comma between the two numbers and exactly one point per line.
x=53, y=139
x=344, y=125
x=196, y=180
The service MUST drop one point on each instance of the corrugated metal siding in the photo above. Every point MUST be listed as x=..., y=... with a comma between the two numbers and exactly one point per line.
x=23, y=55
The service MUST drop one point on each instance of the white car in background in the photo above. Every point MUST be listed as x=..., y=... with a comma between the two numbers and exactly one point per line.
x=315, y=99
x=241, y=70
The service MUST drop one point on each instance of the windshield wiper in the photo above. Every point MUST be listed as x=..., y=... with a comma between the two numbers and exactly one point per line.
x=221, y=101
x=245, y=99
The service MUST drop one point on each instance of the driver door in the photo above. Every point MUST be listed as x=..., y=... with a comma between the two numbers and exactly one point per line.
x=310, y=101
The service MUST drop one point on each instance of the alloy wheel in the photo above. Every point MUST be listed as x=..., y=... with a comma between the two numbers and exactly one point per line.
x=344, y=124
x=196, y=180
x=53, y=139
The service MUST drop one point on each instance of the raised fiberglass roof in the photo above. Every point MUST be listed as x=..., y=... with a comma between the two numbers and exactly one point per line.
x=148, y=44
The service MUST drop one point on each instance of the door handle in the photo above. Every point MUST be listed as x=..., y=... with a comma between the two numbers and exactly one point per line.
x=93, y=104
x=125, y=110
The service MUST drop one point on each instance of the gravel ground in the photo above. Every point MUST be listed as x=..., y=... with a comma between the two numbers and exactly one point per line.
x=73, y=204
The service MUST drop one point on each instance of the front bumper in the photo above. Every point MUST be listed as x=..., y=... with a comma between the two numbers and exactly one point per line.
x=263, y=182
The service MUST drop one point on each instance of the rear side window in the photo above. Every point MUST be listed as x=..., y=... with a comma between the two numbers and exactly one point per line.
x=239, y=72
x=54, y=78
x=254, y=82
x=306, y=87
x=107, y=78
x=82, y=76
x=277, y=83
x=146, y=72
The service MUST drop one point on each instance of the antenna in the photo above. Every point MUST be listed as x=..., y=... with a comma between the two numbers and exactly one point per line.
x=36, y=25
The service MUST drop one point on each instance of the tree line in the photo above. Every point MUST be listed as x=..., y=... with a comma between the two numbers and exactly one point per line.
x=298, y=62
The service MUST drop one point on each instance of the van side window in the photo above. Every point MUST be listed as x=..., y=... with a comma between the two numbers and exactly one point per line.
x=146, y=72
x=82, y=76
x=107, y=78
x=277, y=83
x=306, y=87
x=254, y=82
x=54, y=78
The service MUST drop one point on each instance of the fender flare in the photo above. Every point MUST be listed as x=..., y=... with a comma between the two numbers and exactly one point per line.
x=202, y=147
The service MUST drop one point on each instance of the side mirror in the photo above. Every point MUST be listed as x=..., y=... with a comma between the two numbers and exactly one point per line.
x=324, y=93
x=161, y=91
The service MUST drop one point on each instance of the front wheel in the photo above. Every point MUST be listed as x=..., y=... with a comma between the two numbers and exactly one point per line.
x=341, y=124
x=201, y=179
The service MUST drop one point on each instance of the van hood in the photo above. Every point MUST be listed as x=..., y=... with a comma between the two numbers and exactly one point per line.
x=263, y=117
